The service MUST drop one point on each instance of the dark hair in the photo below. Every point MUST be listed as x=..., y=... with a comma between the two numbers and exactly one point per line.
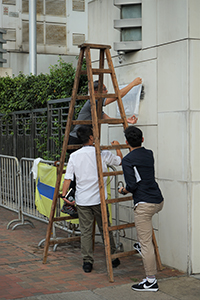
x=96, y=84
x=133, y=136
x=84, y=133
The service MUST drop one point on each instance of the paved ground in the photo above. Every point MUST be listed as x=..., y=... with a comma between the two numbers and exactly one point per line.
x=24, y=276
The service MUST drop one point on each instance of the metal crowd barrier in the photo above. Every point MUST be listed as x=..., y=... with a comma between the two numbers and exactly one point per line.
x=10, y=187
x=9, y=182
x=17, y=193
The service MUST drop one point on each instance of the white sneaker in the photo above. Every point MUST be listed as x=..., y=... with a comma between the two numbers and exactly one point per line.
x=137, y=247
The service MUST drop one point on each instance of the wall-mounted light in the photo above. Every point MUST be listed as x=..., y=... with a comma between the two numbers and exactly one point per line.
x=120, y=56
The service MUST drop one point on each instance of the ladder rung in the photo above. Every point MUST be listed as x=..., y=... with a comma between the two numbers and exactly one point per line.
x=114, y=147
x=97, y=95
x=111, y=121
x=64, y=240
x=112, y=173
x=100, y=121
x=104, y=95
x=123, y=254
x=122, y=226
x=63, y=218
x=84, y=122
x=82, y=97
x=117, y=200
x=110, y=147
x=72, y=147
x=97, y=71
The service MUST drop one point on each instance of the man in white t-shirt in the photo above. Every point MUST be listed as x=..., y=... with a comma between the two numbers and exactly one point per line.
x=82, y=164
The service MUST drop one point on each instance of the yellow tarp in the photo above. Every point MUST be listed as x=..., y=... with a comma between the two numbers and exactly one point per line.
x=45, y=186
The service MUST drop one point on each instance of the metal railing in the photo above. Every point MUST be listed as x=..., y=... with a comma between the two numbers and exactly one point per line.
x=17, y=193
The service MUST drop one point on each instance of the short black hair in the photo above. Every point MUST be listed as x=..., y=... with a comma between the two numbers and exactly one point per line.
x=96, y=84
x=133, y=136
x=84, y=133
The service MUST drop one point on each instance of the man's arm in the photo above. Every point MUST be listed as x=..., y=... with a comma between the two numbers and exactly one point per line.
x=131, y=120
x=125, y=90
x=65, y=188
x=118, y=151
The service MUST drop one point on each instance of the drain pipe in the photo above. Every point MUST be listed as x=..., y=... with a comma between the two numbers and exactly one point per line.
x=32, y=37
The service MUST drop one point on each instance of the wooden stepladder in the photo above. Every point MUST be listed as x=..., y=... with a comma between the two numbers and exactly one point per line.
x=96, y=123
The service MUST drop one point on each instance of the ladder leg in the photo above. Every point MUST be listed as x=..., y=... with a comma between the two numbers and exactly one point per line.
x=63, y=154
x=158, y=260
x=99, y=166
x=100, y=87
x=116, y=88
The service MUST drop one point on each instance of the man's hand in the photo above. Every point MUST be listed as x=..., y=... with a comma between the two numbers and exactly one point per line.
x=137, y=81
x=118, y=151
x=132, y=120
x=113, y=143
x=122, y=190
x=69, y=202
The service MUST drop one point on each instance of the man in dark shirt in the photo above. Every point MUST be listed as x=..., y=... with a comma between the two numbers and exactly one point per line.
x=85, y=113
x=138, y=168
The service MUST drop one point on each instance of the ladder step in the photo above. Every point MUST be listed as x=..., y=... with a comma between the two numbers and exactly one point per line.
x=82, y=97
x=72, y=147
x=97, y=95
x=110, y=121
x=101, y=121
x=94, y=46
x=64, y=240
x=97, y=71
x=109, y=147
x=63, y=218
x=122, y=226
x=114, y=147
x=104, y=95
x=123, y=254
x=117, y=200
x=84, y=122
x=112, y=173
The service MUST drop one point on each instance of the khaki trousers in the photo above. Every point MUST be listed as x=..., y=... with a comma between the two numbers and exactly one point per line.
x=143, y=222
x=86, y=216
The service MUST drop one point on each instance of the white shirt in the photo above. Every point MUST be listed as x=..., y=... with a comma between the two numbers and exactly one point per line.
x=83, y=164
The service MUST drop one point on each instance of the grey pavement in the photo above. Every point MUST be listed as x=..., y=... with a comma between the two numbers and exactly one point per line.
x=183, y=288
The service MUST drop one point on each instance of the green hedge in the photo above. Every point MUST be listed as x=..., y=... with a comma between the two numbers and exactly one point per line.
x=27, y=92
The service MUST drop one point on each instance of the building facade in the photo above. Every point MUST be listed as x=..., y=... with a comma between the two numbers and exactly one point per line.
x=158, y=40
x=162, y=46
x=61, y=26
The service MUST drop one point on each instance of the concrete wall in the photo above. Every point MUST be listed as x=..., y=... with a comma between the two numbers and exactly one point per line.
x=169, y=115
x=20, y=62
x=5, y=72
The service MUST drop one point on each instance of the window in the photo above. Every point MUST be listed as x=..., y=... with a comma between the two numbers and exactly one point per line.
x=51, y=29
x=130, y=25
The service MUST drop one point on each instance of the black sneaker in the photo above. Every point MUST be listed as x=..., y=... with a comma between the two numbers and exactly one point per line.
x=87, y=267
x=137, y=247
x=70, y=210
x=146, y=286
x=115, y=262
